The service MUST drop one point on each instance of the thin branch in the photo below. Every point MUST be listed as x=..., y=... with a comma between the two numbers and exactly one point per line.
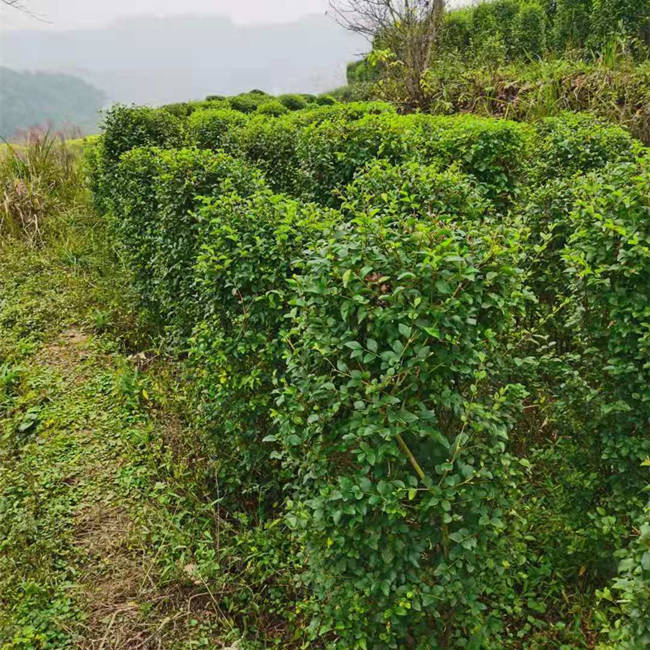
x=18, y=5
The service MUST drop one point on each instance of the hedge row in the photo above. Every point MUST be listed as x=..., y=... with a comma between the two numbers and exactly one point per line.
x=526, y=29
x=385, y=314
x=255, y=101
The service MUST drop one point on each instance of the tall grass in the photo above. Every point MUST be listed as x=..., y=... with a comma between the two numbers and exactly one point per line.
x=613, y=87
x=38, y=179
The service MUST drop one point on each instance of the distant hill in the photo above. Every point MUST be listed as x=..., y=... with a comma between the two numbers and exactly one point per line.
x=42, y=99
x=159, y=60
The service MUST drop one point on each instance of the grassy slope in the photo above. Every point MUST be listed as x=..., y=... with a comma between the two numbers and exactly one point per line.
x=90, y=550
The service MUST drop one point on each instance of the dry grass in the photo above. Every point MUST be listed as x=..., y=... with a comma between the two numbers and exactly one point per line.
x=38, y=178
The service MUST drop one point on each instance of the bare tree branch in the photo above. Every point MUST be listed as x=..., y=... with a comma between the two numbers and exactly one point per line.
x=408, y=28
x=19, y=5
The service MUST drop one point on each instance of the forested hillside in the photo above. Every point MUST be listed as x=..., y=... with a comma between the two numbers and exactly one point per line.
x=40, y=99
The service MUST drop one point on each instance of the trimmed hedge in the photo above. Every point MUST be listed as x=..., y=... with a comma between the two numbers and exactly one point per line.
x=394, y=430
x=415, y=190
x=577, y=143
x=252, y=248
x=293, y=102
x=424, y=390
x=492, y=151
x=126, y=128
x=607, y=266
x=271, y=146
x=272, y=107
x=172, y=184
x=331, y=152
x=216, y=129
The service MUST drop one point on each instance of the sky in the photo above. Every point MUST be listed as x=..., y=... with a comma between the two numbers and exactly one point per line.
x=72, y=14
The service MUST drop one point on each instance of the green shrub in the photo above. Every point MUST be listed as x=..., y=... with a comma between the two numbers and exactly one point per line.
x=632, y=589
x=614, y=19
x=162, y=191
x=126, y=128
x=216, y=129
x=495, y=19
x=331, y=152
x=577, y=143
x=457, y=31
x=247, y=103
x=272, y=107
x=349, y=111
x=211, y=104
x=251, y=249
x=215, y=98
x=362, y=72
x=325, y=100
x=133, y=218
x=492, y=151
x=394, y=432
x=529, y=32
x=588, y=265
x=571, y=24
x=607, y=270
x=179, y=109
x=271, y=146
x=293, y=102
x=415, y=190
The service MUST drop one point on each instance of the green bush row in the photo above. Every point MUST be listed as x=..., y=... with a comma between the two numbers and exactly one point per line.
x=527, y=29
x=427, y=386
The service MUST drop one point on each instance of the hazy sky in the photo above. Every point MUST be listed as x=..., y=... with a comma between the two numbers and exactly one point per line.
x=70, y=14
x=67, y=14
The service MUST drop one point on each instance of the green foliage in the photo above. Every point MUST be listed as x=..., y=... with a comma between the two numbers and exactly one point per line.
x=272, y=107
x=527, y=92
x=391, y=426
x=522, y=27
x=577, y=143
x=293, y=102
x=252, y=249
x=127, y=127
x=607, y=265
x=529, y=31
x=415, y=397
x=325, y=100
x=571, y=24
x=331, y=152
x=271, y=146
x=615, y=19
x=456, y=34
x=495, y=19
x=180, y=109
x=415, y=190
x=247, y=102
x=216, y=129
x=632, y=588
x=362, y=71
x=492, y=151
x=156, y=222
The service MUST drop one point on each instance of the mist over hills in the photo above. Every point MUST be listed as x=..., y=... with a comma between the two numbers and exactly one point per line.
x=158, y=60
x=40, y=99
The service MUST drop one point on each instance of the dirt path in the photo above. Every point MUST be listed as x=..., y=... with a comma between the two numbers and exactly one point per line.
x=93, y=550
